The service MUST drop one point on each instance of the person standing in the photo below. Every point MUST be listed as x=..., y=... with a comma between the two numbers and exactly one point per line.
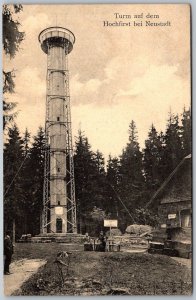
x=102, y=240
x=8, y=251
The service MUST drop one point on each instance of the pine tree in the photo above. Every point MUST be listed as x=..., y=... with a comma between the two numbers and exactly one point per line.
x=112, y=181
x=173, y=147
x=83, y=178
x=13, y=193
x=186, y=132
x=100, y=186
x=99, y=161
x=12, y=38
x=8, y=114
x=131, y=175
x=89, y=180
x=26, y=141
x=161, y=151
x=24, y=180
x=152, y=161
x=33, y=182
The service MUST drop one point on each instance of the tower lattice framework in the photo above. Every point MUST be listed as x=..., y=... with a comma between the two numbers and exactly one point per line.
x=59, y=203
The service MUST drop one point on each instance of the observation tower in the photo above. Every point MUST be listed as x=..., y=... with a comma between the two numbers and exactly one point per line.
x=59, y=206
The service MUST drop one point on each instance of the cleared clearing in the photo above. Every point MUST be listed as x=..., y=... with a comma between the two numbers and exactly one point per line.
x=96, y=273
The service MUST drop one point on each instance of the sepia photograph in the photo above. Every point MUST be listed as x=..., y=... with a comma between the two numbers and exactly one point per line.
x=97, y=162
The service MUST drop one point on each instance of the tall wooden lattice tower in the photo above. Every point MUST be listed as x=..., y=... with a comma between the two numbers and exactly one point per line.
x=59, y=206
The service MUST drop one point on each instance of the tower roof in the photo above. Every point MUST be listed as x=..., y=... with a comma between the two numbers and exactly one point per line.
x=56, y=36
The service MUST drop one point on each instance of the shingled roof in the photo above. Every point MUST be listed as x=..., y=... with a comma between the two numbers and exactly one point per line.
x=168, y=179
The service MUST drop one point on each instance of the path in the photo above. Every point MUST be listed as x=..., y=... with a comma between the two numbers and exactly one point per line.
x=22, y=270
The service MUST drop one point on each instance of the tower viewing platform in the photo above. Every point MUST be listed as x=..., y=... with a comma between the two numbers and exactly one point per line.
x=56, y=36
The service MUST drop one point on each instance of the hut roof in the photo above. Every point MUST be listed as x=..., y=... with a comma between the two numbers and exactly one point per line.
x=168, y=179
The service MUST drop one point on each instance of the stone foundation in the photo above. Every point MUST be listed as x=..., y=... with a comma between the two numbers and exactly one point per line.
x=68, y=238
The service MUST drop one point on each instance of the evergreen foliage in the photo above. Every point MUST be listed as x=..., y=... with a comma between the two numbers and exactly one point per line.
x=153, y=161
x=131, y=184
x=173, y=145
x=112, y=182
x=14, y=197
x=144, y=216
x=89, y=180
x=118, y=190
x=12, y=38
x=33, y=182
x=186, y=132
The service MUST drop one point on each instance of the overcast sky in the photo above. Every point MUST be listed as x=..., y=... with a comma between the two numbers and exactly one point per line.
x=116, y=73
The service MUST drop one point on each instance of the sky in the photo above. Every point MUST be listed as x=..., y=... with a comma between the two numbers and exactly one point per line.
x=117, y=73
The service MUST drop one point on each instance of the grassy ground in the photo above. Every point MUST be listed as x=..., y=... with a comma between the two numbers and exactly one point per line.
x=94, y=273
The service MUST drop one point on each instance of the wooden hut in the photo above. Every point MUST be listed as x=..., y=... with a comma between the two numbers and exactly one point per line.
x=174, y=199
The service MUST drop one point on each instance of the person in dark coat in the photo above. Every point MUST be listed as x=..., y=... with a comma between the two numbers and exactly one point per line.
x=102, y=240
x=8, y=251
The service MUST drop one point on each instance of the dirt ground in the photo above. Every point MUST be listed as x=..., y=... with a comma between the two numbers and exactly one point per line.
x=184, y=262
x=96, y=273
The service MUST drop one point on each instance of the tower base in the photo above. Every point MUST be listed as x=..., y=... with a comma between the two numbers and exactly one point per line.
x=67, y=238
